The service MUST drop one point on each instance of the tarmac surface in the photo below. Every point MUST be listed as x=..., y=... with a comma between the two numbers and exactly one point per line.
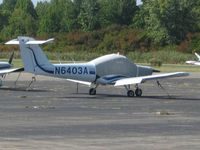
x=51, y=115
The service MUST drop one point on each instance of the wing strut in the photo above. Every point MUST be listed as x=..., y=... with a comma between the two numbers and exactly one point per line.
x=160, y=86
x=33, y=80
x=15, y=83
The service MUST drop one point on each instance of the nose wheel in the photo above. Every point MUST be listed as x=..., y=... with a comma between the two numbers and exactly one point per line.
x=1, y=82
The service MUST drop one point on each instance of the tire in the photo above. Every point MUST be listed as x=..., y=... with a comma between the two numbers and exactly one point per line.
x=130, y=93
x=138, y=92
x=92, y=91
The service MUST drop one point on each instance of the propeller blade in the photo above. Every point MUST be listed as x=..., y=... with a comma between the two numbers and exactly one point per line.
x=11, y=58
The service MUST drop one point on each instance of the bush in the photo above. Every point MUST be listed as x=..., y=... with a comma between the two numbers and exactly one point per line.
x=155, y=62
x=195, y=43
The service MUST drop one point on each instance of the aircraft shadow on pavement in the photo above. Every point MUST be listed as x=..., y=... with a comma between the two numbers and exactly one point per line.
x=97, y=96
x=23, y=89
x=170, y=98
x=105, y=96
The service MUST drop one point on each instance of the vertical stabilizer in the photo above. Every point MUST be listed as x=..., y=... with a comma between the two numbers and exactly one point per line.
x=34, y=59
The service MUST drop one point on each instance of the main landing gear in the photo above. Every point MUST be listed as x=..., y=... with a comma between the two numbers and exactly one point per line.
x=131, y=93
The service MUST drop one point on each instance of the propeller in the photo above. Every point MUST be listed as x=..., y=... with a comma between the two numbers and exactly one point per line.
x=11, y=58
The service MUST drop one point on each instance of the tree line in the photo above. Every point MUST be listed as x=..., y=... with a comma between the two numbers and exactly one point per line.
x=157, y=22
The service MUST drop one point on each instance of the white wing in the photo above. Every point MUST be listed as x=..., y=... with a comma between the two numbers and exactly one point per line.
x=5, y=71
x=142, y=79
x=193, y=62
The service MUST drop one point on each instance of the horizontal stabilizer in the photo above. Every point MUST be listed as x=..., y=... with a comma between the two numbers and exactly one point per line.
x=13, y=42
x=40, y=41
x=138, y=80
x=33, y=42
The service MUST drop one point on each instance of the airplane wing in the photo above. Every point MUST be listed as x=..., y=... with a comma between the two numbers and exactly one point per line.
x=193, y=62
x=142, y=79
x=81, y=82
x=5, y=71
x=197, y=56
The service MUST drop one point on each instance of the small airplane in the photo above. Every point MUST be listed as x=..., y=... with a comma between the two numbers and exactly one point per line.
x=194, y=62
x=112, y=69
x=6, y=67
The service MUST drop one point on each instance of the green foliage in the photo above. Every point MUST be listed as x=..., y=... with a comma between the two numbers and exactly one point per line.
x=106, y=26
x=195, y=43
x=169, y=21
x=88, y=17
x=117, y=12
x=57, y=16
x=22, y=20
x=121, y=39
x=6, y=9
x=27, y=7
x=156, y=62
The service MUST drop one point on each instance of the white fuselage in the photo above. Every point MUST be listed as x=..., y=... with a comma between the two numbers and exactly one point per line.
x=101, y=70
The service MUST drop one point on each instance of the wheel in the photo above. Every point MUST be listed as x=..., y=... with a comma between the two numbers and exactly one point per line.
x=138, y=92
x=1, y=82
x=92, y=91
x=130, y=93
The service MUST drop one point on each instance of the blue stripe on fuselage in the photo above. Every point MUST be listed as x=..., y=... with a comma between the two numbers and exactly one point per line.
x=111, y=79
x=92, y=72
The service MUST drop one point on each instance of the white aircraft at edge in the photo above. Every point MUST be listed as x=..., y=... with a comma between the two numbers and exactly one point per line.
x=194, y=62
x=112, y=69
x=6, y=67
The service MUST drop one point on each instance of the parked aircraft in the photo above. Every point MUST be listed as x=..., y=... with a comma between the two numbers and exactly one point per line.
x=6, y=67
x=194, y=62
x=112, y=69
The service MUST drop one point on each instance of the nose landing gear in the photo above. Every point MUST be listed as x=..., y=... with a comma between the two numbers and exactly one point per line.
x=92, y=91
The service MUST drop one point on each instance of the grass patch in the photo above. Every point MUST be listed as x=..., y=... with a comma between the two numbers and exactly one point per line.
x=178, y=67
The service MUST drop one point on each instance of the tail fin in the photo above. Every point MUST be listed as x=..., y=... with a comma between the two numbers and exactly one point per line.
x=34, y=59
x=197, y=56
x=11, y=58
